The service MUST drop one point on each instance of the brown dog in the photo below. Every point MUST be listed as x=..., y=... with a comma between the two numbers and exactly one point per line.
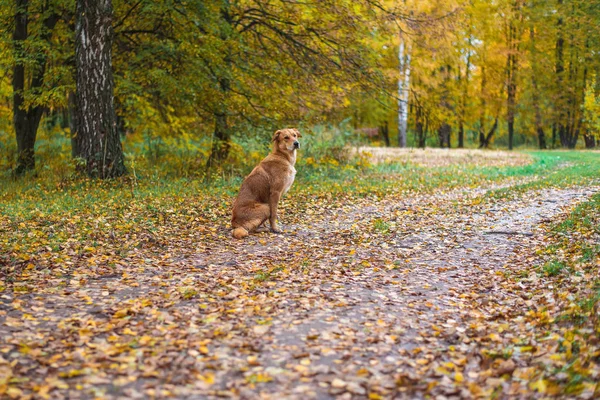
x=262, y=189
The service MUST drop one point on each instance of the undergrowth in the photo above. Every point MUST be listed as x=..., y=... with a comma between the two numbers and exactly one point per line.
x=573, y=262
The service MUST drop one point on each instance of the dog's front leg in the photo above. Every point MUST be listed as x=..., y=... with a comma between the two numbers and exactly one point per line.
x=273, y=202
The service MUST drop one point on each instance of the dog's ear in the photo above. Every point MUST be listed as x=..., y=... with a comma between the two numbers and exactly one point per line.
x=276, y=135
x=298, y=133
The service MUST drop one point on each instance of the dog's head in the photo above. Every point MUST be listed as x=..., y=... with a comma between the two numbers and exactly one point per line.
x=287, y=139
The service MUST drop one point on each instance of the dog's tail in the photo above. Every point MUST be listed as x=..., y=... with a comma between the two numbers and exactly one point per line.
x=239, y=233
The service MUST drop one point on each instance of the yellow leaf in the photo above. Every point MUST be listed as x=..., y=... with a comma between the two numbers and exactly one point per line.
x=121, y=313
x=208, y=378
x=144, y=340
x=495, y=337
x=72, y=373
x=128, y=331
x=458, y=377
x=540, y=385
x=14, y=393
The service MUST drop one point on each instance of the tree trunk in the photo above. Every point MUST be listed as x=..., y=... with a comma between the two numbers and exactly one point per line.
x=541, y=135
x=403, y=91
x=536, y=97
x=482, y=107
x=465, y=96
x=420, y=130
x=96, y=137
x=590, y=141
x=461, y=116
x=486, y=139
x=222, y=134
x=27, y=121
x=511, y=71
x=560, y=103
x=445, y=130
x=444, y=135
x=21, y=120
x=385, y=133
x=580, y=122
x=221, y=141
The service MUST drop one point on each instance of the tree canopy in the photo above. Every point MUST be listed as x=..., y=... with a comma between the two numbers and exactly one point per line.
x=482, y=73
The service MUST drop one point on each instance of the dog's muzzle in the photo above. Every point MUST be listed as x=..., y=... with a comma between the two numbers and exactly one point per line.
x=296, y=145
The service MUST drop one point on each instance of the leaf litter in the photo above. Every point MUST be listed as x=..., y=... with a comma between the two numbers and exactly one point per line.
x=402, y=296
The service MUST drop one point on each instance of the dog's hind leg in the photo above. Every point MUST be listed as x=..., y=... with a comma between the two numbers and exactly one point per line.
x=239, y=232
x=263, y=227
x=256, y=216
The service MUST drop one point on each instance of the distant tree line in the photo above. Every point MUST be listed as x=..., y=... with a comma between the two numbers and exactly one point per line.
x=472, y=72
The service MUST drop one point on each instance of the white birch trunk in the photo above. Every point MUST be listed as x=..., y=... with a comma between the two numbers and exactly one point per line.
x=403, y=91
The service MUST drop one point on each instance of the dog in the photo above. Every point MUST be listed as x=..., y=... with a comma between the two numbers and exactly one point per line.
x=262, y=189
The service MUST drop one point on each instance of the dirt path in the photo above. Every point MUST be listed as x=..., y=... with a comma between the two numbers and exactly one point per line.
x=375, y=299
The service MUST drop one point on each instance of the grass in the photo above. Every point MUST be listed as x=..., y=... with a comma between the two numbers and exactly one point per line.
x=553, y=268
x=51, y=192
x=40, y=213
x=381, y=226
x=556, y=169
x=576, y=254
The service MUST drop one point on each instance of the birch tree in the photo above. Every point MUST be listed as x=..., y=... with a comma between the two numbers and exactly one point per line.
x=97, y=140
x=404, y=59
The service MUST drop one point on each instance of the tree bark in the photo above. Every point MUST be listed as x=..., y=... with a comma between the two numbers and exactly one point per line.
x=482, y=109
x=511, y=86
x=444, y=132
x=536, y=97
x=222, y=133
x=97, y=139
x=560, y=103
x=403, y=91
x=385, y=133
x=221, y=140
x=590, y=141
x=420, y=129
x=461, y=116
x=27, y=120
x=486, y=139
x=465, y=96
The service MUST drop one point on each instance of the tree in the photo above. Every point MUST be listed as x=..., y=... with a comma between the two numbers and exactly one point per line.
x=97, y=139
x=464, y=84
x=539, y=127
x=592, y=114
x=404, y=57
x=214, y=67
x=513, y=37
x=26, y=117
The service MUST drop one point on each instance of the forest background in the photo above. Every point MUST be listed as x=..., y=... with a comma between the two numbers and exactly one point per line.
x=205, y=83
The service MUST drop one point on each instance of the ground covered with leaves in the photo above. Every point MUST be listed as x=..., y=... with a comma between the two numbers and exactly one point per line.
x=395, y=280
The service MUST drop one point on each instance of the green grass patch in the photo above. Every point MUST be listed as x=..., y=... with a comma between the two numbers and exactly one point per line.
x=553, y=169
x=381, y=225
x=553, y=268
